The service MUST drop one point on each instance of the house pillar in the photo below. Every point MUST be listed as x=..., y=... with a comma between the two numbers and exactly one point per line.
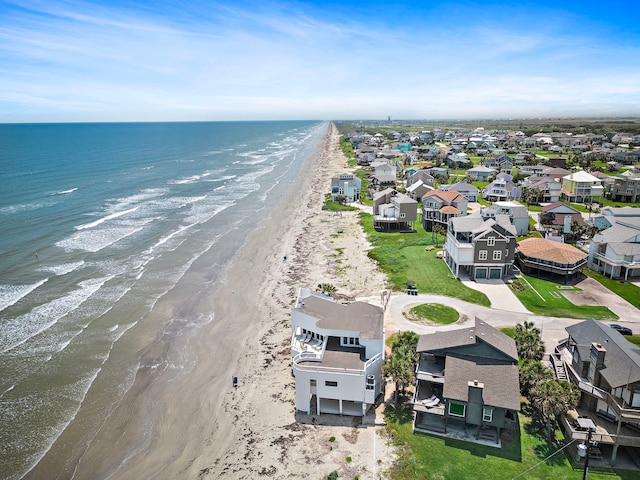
x=614, y=453
x=318, y=405
x=340, y=406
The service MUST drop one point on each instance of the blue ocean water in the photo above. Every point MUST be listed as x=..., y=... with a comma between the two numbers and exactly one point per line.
x=97, y=222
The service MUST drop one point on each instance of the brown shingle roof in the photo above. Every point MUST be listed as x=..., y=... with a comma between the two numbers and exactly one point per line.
x=550, y=250
x=501, y=382
x=449, y=209
x=446, y=195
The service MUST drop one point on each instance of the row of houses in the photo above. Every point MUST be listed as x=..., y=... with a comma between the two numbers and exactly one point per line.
x=467, y=381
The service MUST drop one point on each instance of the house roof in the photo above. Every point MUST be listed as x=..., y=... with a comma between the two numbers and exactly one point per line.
x=449, y=209
x=560, y=207
x=622, y=358
x=357, y=316
x=480, y=332
x=446, y=195
x=550, y=250
x=460, y=187
x=581, y=176
x=500, y=380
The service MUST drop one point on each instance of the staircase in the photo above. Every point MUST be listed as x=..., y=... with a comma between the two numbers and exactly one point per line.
x=488, y=433
x=558, y=367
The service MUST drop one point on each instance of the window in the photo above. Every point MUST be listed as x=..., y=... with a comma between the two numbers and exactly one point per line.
x=487, y=414
x=482, y=255
x=497, y=255
x=491, y=241
x=456, y=409
x=327, y=383
x=312, y=383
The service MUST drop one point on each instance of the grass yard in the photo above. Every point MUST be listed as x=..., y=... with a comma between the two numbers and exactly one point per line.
x=546, y=299
x=428, y=313
x=435, y=458
x=404, y=256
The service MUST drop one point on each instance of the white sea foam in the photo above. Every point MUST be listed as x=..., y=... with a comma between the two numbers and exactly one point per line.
x=63, y=268
x=191, y=179
x=111, y=216
x=18, y=330
x=65, y=192
x=96, y=240
x=11, y=294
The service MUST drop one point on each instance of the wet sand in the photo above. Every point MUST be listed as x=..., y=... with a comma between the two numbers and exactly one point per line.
x=190, y=421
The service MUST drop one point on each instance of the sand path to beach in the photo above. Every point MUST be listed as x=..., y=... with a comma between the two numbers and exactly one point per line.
x=194, y=424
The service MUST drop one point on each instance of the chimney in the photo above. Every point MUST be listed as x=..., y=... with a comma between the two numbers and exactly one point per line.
x=596, y=359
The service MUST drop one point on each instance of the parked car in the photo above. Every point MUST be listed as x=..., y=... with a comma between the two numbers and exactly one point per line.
x=621, y=329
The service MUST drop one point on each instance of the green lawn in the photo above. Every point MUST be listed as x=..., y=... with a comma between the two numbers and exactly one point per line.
x=404, y=256
x=543, y=297
x=433, y=313
x=435, y=458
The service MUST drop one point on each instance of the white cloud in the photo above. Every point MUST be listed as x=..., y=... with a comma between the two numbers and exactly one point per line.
x=77, y=60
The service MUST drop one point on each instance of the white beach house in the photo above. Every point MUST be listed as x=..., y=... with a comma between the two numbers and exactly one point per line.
x=337, y=353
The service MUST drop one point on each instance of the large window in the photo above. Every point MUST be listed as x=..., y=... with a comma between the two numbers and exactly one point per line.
x=491, y=241
x=487, y=414
x=482, y=255
x=457, y=409
x=497, y=255
x=328, y=383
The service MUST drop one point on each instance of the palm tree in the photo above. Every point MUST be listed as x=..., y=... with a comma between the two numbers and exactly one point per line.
x=528, y=340
x=400, y=365
x=551, y=398
x=531, y=373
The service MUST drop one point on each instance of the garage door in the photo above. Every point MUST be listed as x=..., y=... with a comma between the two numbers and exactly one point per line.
x=481, y=273
x=495, y=273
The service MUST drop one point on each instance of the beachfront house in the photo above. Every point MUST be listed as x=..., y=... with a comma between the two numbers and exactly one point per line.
x=337, y=353
x=393, y=210
x=345, y=187
x=605, y=367
x=467, y=383
x=480, y=249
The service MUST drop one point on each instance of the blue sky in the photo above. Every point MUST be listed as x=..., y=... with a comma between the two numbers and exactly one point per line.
x=118, y=60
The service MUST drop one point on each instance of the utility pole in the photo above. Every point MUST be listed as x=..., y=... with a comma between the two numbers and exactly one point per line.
x=585, y=475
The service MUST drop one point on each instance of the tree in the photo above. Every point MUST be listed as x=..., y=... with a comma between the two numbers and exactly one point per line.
x=551, y=398
x=531, y=373
x=438, y=229
x=400, y=365
x=528, y=340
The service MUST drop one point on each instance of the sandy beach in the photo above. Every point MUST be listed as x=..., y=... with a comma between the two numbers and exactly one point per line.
x=191, y=422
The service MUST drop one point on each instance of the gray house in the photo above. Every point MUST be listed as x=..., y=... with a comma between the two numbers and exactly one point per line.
x=467, y=383
x=605, y=367
x=393, y=210
x=516, y=212
x=480, y=248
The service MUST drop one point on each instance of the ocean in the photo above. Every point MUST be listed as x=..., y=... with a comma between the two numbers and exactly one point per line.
x=98, y=222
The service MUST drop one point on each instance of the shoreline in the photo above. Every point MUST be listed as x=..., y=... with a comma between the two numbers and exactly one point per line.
x=194, y=424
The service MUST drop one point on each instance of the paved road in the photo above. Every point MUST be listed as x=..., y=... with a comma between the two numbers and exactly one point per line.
x=508, y=310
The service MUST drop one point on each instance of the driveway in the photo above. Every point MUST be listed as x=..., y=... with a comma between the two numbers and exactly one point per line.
x=552, y=328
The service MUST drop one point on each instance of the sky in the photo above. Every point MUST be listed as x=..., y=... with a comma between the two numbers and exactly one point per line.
x=201, y=60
